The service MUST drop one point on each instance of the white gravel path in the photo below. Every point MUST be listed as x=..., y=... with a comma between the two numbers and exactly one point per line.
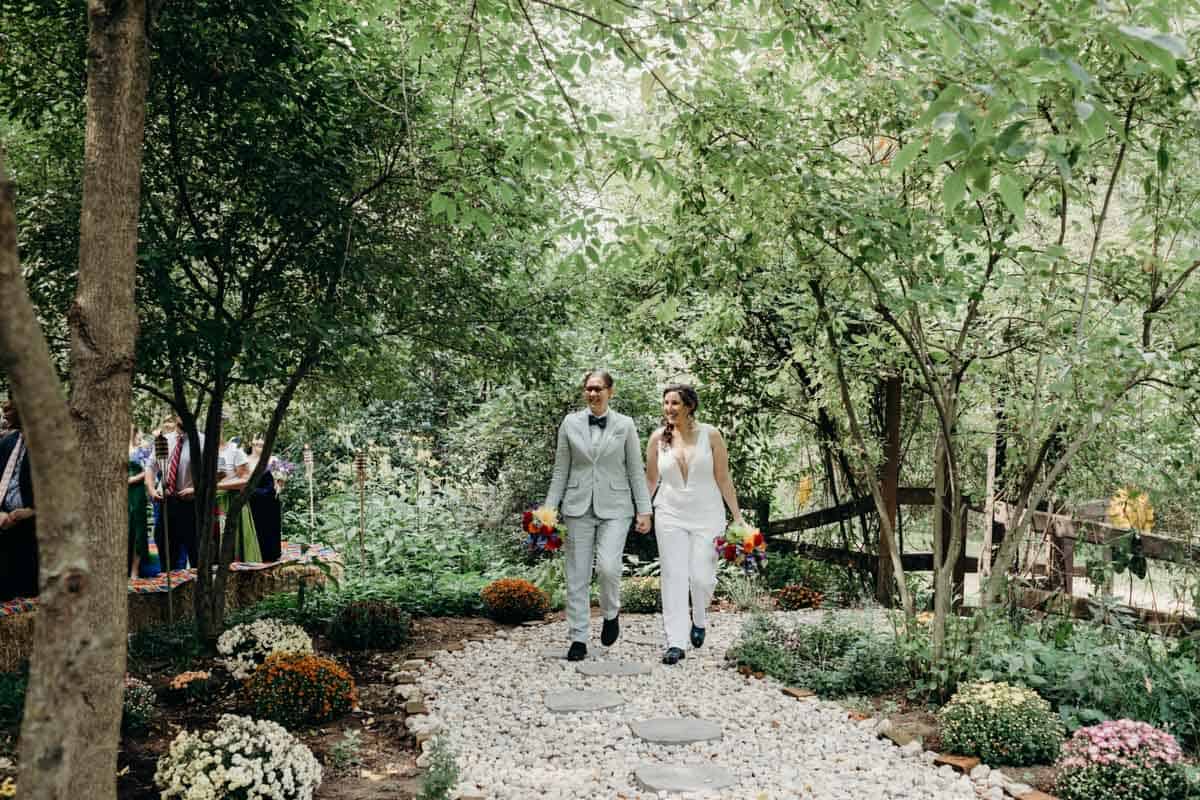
x=487, y=701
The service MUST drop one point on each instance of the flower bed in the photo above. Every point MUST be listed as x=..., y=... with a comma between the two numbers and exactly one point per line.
x=245, y=647
x=240, y=759
x=1001, y=724
x=1121, y=760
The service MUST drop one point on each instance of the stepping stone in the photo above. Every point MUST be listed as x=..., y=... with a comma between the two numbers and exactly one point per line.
x=583, y=700
x=683, y=778
x=676, y=731
x=612, y=668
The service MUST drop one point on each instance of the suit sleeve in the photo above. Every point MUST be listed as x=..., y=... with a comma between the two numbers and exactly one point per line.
x=636, y=470
x=562, y=467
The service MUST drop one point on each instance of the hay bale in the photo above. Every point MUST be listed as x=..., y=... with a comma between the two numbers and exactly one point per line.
x=243, y=588
x=16, y=640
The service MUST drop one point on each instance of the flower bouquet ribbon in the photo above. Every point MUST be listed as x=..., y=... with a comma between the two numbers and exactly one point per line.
x=545, y=532
x=744, y=546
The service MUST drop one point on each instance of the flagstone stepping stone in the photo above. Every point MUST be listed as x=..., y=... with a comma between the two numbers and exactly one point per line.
x=612, y=668
x=683, y=778
x=583, y=700
x=676, y=731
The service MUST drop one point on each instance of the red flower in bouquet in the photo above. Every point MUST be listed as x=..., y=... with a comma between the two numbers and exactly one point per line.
x=546, y=533
x=744, y=546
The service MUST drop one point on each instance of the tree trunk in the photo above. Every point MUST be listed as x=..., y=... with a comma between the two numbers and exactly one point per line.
x=69, y=737
x=63, y=645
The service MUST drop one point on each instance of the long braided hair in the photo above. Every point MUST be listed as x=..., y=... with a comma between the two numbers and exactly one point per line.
x=691, y=401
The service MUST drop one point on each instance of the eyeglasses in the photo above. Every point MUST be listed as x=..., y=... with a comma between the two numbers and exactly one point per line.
x=590, y=389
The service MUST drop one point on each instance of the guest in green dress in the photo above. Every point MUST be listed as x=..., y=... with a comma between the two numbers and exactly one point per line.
x=138, y=550
x=233, y=469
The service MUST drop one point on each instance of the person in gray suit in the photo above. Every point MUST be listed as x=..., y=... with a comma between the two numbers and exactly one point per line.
x=597, y=484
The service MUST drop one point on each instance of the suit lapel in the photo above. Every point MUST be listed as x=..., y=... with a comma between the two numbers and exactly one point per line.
x=583, y=437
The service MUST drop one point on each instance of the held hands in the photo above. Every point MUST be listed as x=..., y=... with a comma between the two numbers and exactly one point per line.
x=643, y=523
x=11, y=518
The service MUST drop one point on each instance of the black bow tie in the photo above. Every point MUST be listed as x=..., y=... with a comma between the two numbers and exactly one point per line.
x=601, y=421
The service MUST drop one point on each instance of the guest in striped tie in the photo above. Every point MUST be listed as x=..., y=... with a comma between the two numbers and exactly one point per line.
x=178, y=496
x=18, y=533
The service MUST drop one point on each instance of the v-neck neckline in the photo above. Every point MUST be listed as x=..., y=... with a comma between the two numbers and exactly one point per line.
x=685, y=464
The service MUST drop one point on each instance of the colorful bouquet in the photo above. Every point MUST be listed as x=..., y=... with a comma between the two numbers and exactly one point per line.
x=546, y=533
x=744, y=546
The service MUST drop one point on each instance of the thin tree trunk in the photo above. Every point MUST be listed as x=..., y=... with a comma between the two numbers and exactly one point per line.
x=886, y=576
x=63, y=646
x=69, y=737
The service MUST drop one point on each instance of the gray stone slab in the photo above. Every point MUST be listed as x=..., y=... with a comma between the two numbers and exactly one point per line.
x=683, y=730
x=582, y=700
x=612, y=668
x=683, y=777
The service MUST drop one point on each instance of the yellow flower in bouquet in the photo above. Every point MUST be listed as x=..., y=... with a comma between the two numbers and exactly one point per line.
x=547, y=518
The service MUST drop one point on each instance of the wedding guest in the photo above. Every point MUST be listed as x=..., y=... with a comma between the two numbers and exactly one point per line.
x=138, y=548
x=233, y=470
x=264, y=506
x=175, y=491
x=18, y=520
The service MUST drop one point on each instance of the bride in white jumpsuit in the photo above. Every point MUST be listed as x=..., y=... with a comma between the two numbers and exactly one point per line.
x=692, y=463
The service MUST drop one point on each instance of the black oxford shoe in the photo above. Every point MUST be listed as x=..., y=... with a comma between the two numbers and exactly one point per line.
x=610, y=631
x=697, y=636
x=577, y=651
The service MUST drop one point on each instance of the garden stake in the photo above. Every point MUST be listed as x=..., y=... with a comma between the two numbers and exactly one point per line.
x=360, y=465
x=160, y=455
x=312, y=509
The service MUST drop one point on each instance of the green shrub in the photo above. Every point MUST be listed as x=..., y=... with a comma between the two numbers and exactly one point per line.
x=1001, y=724
x=641, y=595
x=12, y=698
x=442, y=774
x=834, y=658
x=1121, y=760
x=760, y=648
x=138, y=708
x=786, y=570
x=176, y=644
x=297, y=689
x=514, y=600
x=369, y=624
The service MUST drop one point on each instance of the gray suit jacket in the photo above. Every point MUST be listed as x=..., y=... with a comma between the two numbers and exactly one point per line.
x=611, y=482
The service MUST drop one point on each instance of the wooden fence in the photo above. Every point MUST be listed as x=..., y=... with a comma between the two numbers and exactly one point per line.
x=1062, y=533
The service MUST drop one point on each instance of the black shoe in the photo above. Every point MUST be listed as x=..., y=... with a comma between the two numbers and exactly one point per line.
x=697, y=636
x=610, y=631
x=673, y=655
x=577, y=652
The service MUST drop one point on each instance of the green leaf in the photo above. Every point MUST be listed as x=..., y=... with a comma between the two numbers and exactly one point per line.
x=1168, y=42
x=647, y=88
x=874, y=39
x=906, y=155
x=1012, y=195
x=789, y=39
x=954, y=189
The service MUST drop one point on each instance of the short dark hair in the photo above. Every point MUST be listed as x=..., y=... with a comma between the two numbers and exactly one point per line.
x=603, y=374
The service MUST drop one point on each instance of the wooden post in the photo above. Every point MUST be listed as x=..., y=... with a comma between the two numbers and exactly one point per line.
x=1061, y=566
x=885, y=575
